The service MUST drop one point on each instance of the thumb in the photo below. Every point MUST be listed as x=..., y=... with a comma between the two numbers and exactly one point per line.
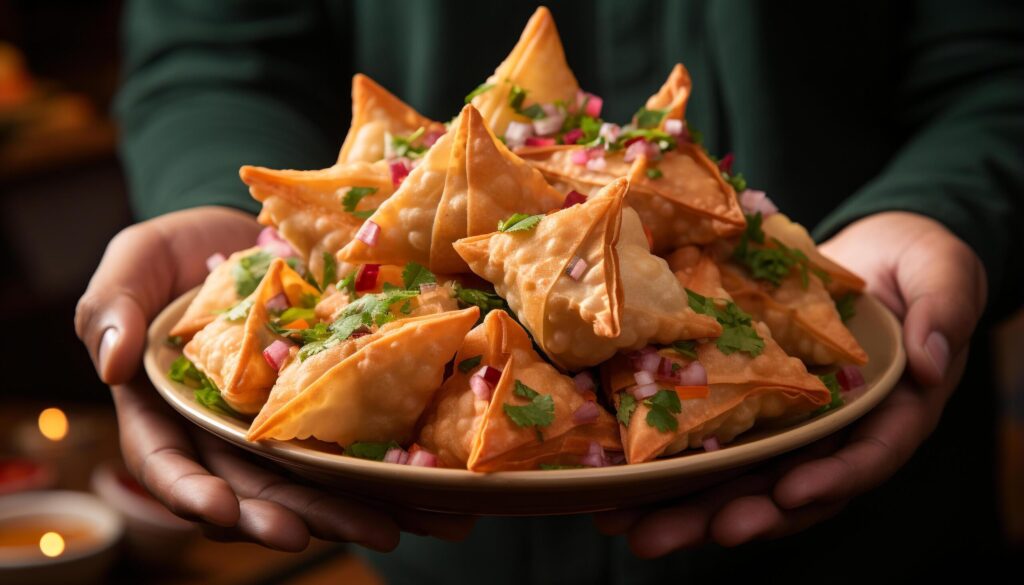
x=132, y=282
x=943, y=285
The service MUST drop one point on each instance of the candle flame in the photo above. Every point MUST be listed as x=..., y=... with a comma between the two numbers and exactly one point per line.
x=53, y=424
x=51, y=544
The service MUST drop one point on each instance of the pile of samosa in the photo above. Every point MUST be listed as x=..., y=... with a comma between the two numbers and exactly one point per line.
x=524, y=287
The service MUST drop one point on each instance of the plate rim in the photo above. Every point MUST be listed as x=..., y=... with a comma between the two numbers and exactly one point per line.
x=693, y=464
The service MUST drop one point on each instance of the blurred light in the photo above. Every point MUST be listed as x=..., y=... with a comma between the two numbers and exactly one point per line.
x=51, y=544
x=53, y=424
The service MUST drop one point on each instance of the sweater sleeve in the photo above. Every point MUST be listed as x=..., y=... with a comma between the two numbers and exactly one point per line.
x=210, y=86
x=960, y=108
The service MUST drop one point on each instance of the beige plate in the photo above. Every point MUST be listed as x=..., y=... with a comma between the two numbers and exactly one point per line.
x=538, y=492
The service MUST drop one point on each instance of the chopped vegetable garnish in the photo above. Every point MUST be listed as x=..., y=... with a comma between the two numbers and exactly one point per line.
x=644, y=118
x=206, y=392
x=249, y=271
x=577, y=268
x=370, y=450
x=368, y=233
x=654, y=173
x=662, y=406
x=482, y=88
x=738, y=333
x=240, y=311
x=844, y=305
x=354, y=196
x=835, y=390
x=367, y=278
x=519, y=222
x=406, y=147
x=485, y=300
x=627, y=404
x=687, y=348
x=540, y=412
x=467, y=365
x=515, y=100
x=414, y=275
x=772, y=263
x=348, y=284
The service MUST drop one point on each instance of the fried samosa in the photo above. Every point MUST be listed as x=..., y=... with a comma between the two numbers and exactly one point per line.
x=218, y=293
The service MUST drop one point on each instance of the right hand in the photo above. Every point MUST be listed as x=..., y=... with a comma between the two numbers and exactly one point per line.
x=195, y=475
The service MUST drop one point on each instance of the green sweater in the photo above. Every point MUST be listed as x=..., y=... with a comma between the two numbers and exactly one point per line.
x=837, y=110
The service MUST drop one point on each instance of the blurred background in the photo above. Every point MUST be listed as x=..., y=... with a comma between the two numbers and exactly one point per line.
x=62, y=197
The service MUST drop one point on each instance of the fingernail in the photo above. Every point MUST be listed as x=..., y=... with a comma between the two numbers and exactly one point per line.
x=107, y=342
x=937, y=349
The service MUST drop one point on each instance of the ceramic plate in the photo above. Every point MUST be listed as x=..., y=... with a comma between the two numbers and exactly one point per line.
x=538, y=492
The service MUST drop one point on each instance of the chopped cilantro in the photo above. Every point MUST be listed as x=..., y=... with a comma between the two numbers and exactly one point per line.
x=370, y=450
x=654, y=173
x=540, y=412
x=772, y=263
x=467, y=365
x=175, y=341
x=348, y=284
x=515, y=100
x=738, y=333
x=365, y=213
x=645, y=118
x=519, y=222
x=249, y=271
x=405, y=147
x=685, y=348
x=366, y=311
x=482, y=88
x=295, y=313
x=205, y=391
x=416, y=274
x=835, y=390
x=739, y=184
x=485, y=300
x=354, y=196
x=662, y=407
x=627, y=404
x=240, y=311
x=844, y=305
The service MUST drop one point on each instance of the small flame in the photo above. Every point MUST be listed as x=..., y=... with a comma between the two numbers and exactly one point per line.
x=51, y=544
x=53, y=424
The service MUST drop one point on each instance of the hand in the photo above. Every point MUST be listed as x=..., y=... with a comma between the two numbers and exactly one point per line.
x=195, y=475
x=936, y=285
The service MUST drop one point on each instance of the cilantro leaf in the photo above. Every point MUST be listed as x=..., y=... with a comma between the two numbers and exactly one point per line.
x=654, y=173
x=662, y=406
x=519, y=222
x=485, y=300
x=844, y=305
x=740, y=338
x=645, y=118
x=205, y=391
x=366, y=311
x=482, y=88
x=416, y=274
x=515, y=101
x=540, y=412
x=835, y=390
x=534, y=112
x=738, y=333
x=240, y=311
x=249, y=271
x=772, y=263
x=467, y=365
x=686, y=348
x=738, y=183
x=354, y=196
x=365, y=214
x=370, y=450
x=404, y=145
x=627, y=404
x=175, y=341
x=348, y=284
x=295, y=313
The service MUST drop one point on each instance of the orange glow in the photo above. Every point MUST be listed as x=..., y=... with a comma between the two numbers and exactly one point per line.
x=51, y=544
x=53, y=424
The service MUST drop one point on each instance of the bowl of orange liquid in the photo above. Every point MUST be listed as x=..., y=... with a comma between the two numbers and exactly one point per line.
x=57, y=537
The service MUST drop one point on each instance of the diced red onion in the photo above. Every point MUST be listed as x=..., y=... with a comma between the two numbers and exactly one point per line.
x=674, y=127
x=367, y=277
x=712, y=444
x=276, y=353
x=368, y=233
x=644, y=391
x=427, y=287
x=577, y=268
x=610, y=132
x=540, y=141
x=572, y=198
x=272, y=242
x=431, y=137
x=850, y=378
x=593, y=106
x=725, y=165
x=278, y=302
x=399, y=171
x=641, y=147
x=551, y=123
x=756, y=201
x=517, y=133
x=492, y=375
x=579, y=157
x=597, y=165
x=649, y=362
x=586, y=413
x=214, y=261
x=572, y=136
x=584, y=382
x=361, y=332
x=693, y=375
x=480, y=387
x=423, y=458
x=595, y=455
x=643, y=377
x=396, y=455
x=665, y=368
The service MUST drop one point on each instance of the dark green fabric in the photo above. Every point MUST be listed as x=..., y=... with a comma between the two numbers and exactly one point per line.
x=837, y=110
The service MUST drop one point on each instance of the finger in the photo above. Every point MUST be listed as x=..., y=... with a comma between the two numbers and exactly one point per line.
x=759, y=517
x=325, y=516
x=143, y=268
x=944, y=286
x=614, y=522
x=159, y=454
x=450, y=527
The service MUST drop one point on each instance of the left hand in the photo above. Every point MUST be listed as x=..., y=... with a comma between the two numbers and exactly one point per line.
x=936, y=286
